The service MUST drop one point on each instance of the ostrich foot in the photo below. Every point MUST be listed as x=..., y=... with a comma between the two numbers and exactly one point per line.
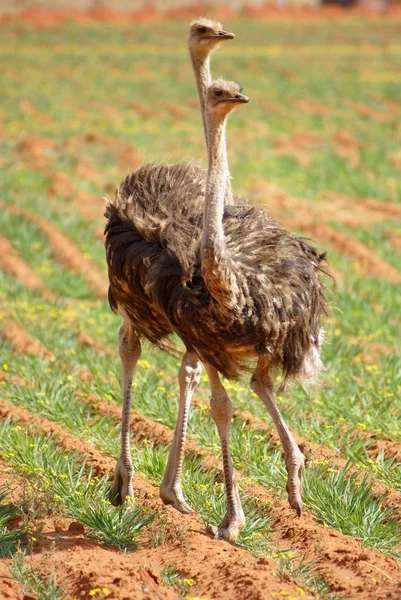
x=295, y=465
x=174, y=496
x=122, y=487
x=229, y=529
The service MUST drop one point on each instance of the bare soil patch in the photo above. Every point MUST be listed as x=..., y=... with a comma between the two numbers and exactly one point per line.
x=367, y=260
x=316, y=108
x=86, y=340
x=298, y=145
x=67, y=253
x=14, y=379
x=347, y=147
x=42, y=18
x=13, y=264
x=367, y=111
x=312, y=218
x=21, y=341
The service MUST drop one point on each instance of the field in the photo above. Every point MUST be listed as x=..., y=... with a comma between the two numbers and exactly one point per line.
x=320, y=147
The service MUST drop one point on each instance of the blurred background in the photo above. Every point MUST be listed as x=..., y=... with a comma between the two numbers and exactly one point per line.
x=17, y=6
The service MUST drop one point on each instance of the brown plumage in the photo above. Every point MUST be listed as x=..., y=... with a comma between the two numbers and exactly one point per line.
x=186, y=257
x=229, y=280
x=153, y=243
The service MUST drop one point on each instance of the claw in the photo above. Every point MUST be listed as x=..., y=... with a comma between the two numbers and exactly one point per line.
x=176, y=499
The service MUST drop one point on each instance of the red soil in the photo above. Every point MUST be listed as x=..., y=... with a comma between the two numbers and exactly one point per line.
x=298, y=145
x=373, y=353
x=42, y=18
x=67, y=253
x=220, y=570
x=367, y=111
x=86, y=340
x=14, y=379
x=346, y=564
x=21, y=341
x=367, y=260
x=12, y=263
x=296, y=213
x=42, y=152
x=347, y=147
x=380, y=210
x=316, y=108
x=143, y=111
x=127, y=154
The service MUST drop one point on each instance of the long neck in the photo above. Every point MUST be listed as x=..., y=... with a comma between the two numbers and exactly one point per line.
x=203, y=77
x=213, y=235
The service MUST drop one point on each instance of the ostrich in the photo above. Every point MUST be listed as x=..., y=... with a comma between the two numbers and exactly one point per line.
x=150, y=191
x=233, y=284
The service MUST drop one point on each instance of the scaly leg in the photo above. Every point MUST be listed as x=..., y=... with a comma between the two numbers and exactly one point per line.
x=222, y=412
x=130, y=351
x=170, y=489
x=262, y=385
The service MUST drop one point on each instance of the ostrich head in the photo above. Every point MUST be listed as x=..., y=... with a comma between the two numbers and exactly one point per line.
x=205, y=35
x=223, y=96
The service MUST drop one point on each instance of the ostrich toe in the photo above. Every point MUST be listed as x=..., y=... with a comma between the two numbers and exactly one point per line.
x=295, y=466
x=122, y=487
x=174, y=497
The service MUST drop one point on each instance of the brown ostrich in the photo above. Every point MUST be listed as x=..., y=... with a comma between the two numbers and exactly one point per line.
x=233, y=284
x=149, y=193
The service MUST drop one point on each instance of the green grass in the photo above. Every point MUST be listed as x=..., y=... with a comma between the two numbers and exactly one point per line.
x=32, y=582
x=9, y=538
x=71, y=487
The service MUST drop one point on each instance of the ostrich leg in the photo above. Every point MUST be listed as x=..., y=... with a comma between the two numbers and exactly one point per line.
x=222, y=412
x=130, y=351
x=170, y=489
x=262, y=385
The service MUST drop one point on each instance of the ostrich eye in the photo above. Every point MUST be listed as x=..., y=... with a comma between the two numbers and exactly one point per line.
x=201, y=29
x=218, y=93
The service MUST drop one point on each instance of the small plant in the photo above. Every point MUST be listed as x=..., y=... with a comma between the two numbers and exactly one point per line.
x=172, y=577
x=32, y=582
x=70, y=487
x=9, y=538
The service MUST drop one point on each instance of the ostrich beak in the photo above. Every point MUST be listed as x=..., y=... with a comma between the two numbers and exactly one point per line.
x=240, y=98
x=223, y=35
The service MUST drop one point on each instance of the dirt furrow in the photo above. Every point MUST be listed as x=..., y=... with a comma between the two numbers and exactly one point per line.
x=13, y=264
x=84, y=339
x=58, y=544
x=342, y=560
x=382, y=209
x=220, y=570
x=312, y=219
x=21, y=341
x=67, y=252
x=367, y=111
x=369, y=262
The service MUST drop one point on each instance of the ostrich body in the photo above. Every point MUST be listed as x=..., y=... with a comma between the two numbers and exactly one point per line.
x=232, y=283
x=149, y=195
